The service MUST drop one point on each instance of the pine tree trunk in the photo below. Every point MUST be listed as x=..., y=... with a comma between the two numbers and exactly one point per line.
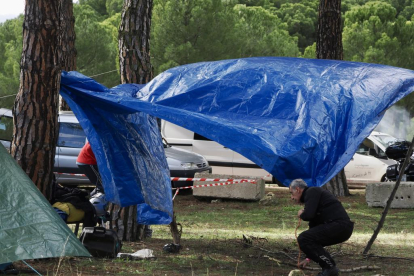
x=338, y=185
x=329, y=46
x=35, y=108
x=329, y=40
x=135, y=66
x=123, y=221
x=134, y=42
x=67, y=41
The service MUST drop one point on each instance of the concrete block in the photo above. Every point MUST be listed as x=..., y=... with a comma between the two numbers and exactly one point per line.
x=377, y=194
x=244, y=191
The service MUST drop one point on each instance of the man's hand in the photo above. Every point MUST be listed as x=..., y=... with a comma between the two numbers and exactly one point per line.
x=300, y=212
x=304, y=263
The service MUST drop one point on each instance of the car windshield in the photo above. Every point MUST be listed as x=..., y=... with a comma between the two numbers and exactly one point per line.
x=385, y=140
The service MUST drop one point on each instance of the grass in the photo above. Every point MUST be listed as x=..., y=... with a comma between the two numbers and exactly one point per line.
x=212, y=235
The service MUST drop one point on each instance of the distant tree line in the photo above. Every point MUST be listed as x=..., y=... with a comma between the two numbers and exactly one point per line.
x=186, y=31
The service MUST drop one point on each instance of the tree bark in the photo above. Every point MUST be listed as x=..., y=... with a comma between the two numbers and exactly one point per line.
x=123, y=221
x=67, y=38
x=134, y=42
x=135, y=66
x=329, y=40
x=35, y=130
x=338, y=185
x=329, y=46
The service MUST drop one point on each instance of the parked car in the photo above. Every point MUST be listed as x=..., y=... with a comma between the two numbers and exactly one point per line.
x=368, y=164
x=222, y=159
x=182, y=163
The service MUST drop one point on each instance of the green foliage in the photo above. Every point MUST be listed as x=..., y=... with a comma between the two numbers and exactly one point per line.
x=96, y=45
x=408, y=12
x=380, y=10
x=261, y=33
x=114, y=6
x=192, y=31
x=98, y=5
x=374, y=33
x=187, y=31
x=10, y=55
x=301, y=19
x=310, y=51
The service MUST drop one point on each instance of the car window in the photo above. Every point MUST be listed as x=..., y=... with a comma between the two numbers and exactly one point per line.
x=385, y=140
x=200, y=137
x=381, y=153
x=363, y=149
x=71, y=135
x=6, y=128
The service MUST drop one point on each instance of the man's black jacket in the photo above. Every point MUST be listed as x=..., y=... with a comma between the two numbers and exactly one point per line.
x=321, y=207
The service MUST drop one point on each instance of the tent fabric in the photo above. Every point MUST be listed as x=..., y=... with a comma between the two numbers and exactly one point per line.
x=296, y=118
x=127, y=145
x=29, y=227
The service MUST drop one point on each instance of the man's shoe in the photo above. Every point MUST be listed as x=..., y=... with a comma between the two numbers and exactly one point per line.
x=332, y=271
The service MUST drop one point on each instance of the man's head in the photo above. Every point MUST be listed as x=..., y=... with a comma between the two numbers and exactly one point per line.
x=296, y=188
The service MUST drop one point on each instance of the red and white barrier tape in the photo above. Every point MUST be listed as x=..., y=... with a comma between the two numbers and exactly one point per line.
x=211, y=179
x=209, y=185
x=176, y=193
x=186, y=178
x=215, y=184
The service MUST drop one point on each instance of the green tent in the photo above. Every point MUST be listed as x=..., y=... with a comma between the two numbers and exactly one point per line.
x=29, y=227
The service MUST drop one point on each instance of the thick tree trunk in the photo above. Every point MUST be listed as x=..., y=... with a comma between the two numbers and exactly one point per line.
x=123, y=221
x=135, y=66
x=134, y=42
x=329, y=40
x=329, y=46
x=35, y=108
x=67, y=41
x=338, y=185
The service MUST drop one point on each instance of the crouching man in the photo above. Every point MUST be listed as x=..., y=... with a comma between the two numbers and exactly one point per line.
x=329, y=224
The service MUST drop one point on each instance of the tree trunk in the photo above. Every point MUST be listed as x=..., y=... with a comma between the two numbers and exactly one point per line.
x=135, y=66
x=329, y=40
x=35, y=108
x=123, y=221
x=134, y=42
x=338, y=185
x=67, y=41
x=329, y=46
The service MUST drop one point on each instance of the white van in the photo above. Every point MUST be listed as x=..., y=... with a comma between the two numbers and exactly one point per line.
x=368, y=164
x=221, y=159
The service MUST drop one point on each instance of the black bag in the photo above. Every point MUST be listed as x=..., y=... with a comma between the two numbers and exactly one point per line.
x=101, y=242
x=78, y=198
x=398, y=150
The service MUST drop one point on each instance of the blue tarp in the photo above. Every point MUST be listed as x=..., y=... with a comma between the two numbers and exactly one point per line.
x=296, y=118
x=127, y=145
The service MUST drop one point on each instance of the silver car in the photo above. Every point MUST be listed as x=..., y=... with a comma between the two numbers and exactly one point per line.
x=182, y=163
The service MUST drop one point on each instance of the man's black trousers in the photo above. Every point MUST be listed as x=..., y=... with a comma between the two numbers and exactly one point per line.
x=313, y=241
x=91, y=171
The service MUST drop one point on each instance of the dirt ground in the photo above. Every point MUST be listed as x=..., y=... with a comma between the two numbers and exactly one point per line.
x=204, y=254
